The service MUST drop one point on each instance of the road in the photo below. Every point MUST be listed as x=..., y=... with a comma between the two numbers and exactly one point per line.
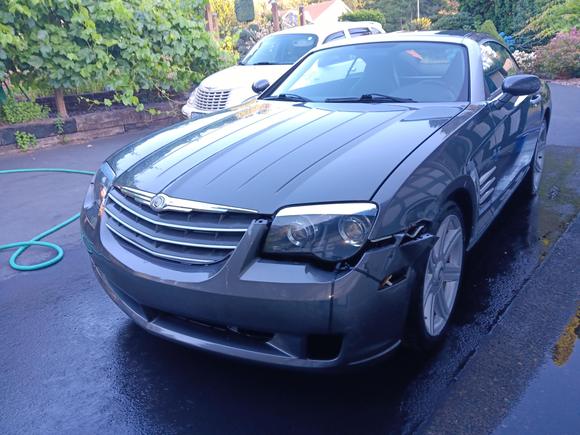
x=72, y=362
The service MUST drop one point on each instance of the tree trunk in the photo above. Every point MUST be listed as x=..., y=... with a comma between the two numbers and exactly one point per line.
x=59, y=100
x=275, y=17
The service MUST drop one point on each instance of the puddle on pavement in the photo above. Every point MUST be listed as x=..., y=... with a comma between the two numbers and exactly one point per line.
x=550, y=403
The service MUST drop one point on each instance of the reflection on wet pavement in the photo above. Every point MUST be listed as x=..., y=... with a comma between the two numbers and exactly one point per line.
x=551, y=401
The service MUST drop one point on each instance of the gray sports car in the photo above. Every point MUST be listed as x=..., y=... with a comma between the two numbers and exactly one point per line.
x=326, y=222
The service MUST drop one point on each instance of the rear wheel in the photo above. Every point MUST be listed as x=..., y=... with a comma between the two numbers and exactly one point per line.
x=534, y=175
x=437, y=293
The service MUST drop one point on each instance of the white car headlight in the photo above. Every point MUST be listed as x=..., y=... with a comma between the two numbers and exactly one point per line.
x=329, y=232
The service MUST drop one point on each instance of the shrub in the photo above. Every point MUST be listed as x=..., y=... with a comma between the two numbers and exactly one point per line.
x=14, y=112
x=488, y=27
x=25, y=140
x=422, y=23
x=129, y=45
x=560, y=58
x=364, y=15
x=459, y=21
x=526, y=61
x=557, y=17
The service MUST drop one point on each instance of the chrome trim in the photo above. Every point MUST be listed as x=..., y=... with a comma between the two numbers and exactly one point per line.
x=157, y=254
x=485, y=196
x=485, y=176
x=486, y=186
x=347, y=208
x=181, y=205
x=171, y=242
x=177, y=226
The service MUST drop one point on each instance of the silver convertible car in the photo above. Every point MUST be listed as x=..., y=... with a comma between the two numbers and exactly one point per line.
x=325, y=223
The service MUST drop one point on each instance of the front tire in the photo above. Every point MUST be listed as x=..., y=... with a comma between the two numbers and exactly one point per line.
x=531, y=183
x=436, y=294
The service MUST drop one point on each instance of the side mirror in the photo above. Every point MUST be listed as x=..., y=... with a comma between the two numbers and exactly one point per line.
x=521, y=84
x=260, y=86
x=515, y=86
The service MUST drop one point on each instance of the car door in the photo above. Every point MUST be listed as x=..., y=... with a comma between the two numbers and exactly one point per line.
x=516, y=122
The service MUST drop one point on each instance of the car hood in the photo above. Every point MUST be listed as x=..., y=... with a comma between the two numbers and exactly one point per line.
x=242, y=76
x=267, y=154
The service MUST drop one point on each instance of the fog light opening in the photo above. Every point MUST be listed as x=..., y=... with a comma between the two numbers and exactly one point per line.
x=323, y=347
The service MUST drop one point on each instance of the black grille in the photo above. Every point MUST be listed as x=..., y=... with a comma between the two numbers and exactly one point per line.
x=192, y=237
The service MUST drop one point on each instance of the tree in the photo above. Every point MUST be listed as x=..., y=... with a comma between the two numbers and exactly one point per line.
x=399, y=12
x=364, y=15
x=459, y=21
x=510, y=16
x=127, y=45
x=557, y=17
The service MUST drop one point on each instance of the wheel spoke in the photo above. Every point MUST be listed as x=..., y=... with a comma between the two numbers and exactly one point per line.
x=432, y=315
x=455, y=236
x=451, y=273
x=441, y=305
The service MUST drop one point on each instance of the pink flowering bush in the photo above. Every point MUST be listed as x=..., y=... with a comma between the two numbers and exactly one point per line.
x=560, y=58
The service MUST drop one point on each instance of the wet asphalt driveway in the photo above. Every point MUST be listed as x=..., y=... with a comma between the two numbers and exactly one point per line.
x=71, y=362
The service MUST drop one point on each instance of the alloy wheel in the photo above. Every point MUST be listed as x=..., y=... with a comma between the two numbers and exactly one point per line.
x=538, y=166
x=443, y=275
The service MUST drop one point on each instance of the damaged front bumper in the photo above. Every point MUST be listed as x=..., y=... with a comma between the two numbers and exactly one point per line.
x=281, y=313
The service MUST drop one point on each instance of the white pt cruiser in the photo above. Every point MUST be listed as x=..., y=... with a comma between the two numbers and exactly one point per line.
x=271, y=57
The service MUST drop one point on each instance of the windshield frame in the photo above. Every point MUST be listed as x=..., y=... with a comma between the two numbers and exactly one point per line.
x=468, y=66
x=253, y=50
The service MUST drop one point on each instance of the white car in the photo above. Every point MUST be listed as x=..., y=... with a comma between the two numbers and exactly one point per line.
x=271, y=57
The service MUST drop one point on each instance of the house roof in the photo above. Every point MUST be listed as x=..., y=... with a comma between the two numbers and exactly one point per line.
x=316, y=9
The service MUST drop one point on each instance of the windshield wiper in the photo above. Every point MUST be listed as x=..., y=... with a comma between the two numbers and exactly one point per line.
x=263, y=63
x=288, y=97
x=370, y=98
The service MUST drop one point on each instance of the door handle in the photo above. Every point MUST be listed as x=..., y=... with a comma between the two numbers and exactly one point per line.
x=535, y=100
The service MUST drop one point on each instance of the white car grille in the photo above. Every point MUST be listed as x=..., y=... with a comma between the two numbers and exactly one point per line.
x=206, y=100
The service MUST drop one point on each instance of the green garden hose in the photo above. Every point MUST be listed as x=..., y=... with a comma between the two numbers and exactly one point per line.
x=36, y=240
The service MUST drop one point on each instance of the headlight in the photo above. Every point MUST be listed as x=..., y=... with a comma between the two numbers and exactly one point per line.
x=99, y=187
x=330, y=232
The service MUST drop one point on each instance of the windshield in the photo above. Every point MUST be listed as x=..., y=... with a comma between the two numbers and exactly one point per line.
x=281, y=49
x=380, y=72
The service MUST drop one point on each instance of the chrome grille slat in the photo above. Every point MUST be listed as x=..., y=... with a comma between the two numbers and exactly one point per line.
x=174, y=225
x=209, y=100
x=193, y=236
x=157, y=254
x=164, y=240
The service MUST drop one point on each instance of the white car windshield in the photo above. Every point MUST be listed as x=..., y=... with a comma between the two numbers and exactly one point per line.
x=380, y=72
x=281, y=49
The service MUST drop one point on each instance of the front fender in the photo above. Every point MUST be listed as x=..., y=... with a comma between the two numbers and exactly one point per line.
x=431, y=175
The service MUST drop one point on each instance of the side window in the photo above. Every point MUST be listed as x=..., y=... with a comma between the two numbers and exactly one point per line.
x=334, y=37
x=497, y=65
x=375, y=31
x=359, y=31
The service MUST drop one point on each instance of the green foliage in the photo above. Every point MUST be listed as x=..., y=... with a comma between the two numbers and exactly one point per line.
x=459, y=21
x=364, y=15
x=557, y=17
x=59, y=126
x=15, y=112
x=488, y=27
x=127, y=44
x=560, y=58
x=25, y=140
x=398, y=13
x=510, y=16
x=422, y=23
